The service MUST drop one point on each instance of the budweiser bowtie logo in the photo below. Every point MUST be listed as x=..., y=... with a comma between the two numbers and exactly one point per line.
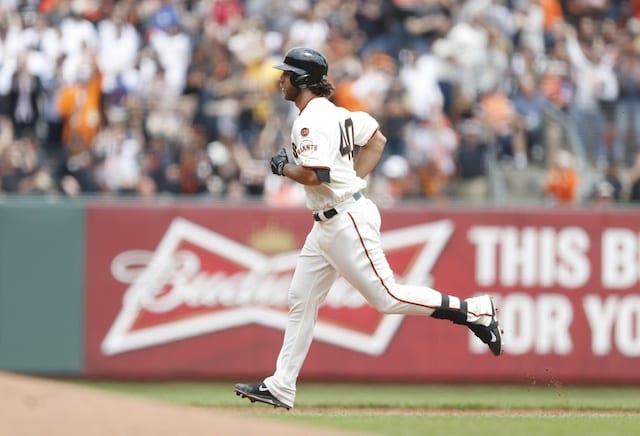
x=198, y=282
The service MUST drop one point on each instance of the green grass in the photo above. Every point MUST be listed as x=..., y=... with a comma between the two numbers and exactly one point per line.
x=479, y=425
x=410, y=409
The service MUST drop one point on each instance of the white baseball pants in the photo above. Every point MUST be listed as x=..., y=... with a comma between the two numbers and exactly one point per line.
x=348, y=245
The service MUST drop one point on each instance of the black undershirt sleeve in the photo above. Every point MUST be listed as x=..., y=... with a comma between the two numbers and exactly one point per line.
x=323, y=174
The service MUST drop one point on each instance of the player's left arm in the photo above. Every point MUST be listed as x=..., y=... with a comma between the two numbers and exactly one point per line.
x=369, y=155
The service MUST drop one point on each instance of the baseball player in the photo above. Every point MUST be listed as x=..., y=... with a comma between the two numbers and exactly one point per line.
x=345, y=237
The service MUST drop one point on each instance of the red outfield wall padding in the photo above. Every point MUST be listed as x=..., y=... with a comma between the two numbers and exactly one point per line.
x=201, y=292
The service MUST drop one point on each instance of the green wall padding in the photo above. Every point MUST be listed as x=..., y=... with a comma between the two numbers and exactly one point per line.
x=41, y=287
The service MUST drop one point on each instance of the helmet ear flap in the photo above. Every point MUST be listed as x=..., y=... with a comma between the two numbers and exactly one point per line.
x=300, y=80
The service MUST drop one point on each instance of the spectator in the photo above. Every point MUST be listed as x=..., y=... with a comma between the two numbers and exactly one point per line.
x=556, y=85
x=465, y=46
x=77, y=33
x=471, y=157
x=379, y=70
x=395, y=182
x=159, y=167
x=43, y=44
x=423, y=22
x=532, y=19
x=431, y=149
x=309, y=29
x=118, y=48
x=164, y=17
x=419, y=77
x=553, y=16
x=173, y=50
x=52, y=119
x=395, y=119
x=79, y=105
x=497, y=112
x=187, y=67
x=608, y=189
x=561, y=183
x=595, y=81
x=22, y=169
x=376, y=20
x=529, y=104
x=118, y=149
x=634, y=178
x=612, y=178
x=25, y=99
x=603, y=195
x=627, y=106
x=78, y=173
x=11, y=172
x=494, y=69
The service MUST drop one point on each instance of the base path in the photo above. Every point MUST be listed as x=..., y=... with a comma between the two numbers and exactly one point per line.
x=35, y=406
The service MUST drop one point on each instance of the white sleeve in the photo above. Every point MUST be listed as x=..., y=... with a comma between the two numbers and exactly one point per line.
x=310, y=146
x=575, y=53
x=364, y=126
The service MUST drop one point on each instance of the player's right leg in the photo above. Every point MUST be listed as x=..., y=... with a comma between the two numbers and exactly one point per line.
x=258, y=392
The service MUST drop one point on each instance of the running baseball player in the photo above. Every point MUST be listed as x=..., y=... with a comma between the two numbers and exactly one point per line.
x=345, y=237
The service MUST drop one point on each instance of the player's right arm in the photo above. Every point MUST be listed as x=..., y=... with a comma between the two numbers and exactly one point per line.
x=304, y=175
x=281, y=166
x=369, y=155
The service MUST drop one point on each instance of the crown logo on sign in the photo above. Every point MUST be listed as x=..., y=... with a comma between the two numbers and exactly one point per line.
x=272, y=239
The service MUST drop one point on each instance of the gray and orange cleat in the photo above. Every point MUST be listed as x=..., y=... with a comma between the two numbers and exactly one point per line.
x=258, y=392
x=490, y=334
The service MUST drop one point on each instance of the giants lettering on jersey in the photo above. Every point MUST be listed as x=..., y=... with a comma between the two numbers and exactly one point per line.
x=305, y=146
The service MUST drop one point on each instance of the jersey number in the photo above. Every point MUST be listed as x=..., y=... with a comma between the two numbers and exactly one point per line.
x=347, y=138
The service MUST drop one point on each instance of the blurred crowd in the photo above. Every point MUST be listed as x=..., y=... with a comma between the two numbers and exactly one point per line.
x=171, y=97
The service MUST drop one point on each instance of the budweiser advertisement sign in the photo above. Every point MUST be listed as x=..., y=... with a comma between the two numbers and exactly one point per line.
x=202, y=292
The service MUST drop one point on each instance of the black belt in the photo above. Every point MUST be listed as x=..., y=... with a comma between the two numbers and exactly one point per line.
x=330, y=213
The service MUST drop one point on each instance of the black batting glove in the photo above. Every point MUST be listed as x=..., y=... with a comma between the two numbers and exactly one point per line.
x=278, y=162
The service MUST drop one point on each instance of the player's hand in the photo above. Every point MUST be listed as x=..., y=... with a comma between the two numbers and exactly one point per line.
x=278, y=162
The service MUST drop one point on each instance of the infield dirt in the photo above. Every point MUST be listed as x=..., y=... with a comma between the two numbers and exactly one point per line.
x=31, y=406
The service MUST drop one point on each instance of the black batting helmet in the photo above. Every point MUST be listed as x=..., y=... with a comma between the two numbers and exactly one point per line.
x=308, y=66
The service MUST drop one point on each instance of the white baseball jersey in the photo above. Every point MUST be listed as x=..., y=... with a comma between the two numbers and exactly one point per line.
x=324, y=136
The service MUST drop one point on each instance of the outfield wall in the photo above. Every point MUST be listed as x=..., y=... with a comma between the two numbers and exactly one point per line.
x=186, y=289
x=42, y=253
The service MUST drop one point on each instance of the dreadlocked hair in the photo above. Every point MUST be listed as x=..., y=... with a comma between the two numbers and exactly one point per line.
x=323, y=88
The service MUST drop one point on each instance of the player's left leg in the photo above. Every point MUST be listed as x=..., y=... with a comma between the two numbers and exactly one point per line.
x=357, y=253
x=365, y=266
x=477, y=313
x=259, y=392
